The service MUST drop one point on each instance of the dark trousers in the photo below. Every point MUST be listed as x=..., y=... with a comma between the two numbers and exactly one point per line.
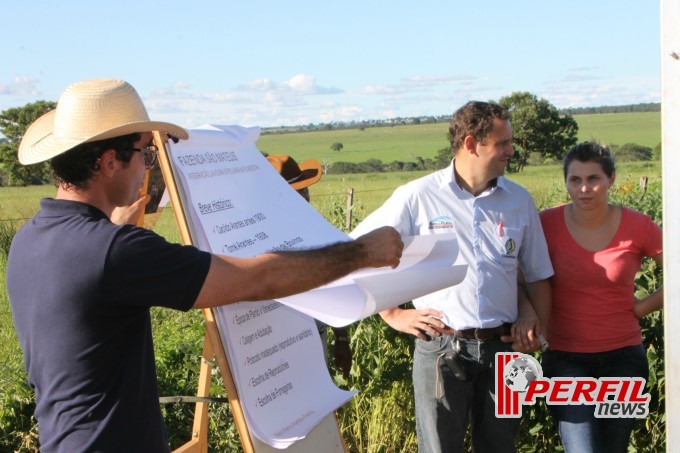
x=580, y=431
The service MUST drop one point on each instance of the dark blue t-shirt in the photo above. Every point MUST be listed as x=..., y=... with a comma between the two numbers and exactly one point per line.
x=80, y=289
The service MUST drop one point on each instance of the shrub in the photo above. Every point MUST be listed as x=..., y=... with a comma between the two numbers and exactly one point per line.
x=630, y=152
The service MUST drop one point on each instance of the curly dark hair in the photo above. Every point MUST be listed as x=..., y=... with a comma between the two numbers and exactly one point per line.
x=75, y=167
x=590, y=152
x=474, y=118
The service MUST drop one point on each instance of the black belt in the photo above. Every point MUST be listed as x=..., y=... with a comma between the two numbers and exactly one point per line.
x=492, y=333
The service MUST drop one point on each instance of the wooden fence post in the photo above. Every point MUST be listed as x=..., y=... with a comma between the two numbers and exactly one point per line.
x=348, y=211
x=643, y=184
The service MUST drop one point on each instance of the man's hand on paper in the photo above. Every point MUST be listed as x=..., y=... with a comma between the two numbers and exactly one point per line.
x=424, y=324
x=383, y=247
x=131, y=213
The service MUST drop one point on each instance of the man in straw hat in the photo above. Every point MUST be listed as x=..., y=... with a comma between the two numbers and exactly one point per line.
x=80, y=286
x=300, y=177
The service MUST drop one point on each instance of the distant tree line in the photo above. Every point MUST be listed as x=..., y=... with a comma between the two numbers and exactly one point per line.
x=442, y=160
x=431, y=119
x=542, y=134
x=647, y=107
x=361, y=125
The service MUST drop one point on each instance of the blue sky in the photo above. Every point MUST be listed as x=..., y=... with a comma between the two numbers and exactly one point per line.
x=272, y=63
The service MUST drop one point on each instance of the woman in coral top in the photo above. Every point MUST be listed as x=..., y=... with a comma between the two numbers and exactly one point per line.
x=596, y=248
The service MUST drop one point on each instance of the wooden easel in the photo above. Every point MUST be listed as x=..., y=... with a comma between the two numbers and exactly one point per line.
x=326, y=437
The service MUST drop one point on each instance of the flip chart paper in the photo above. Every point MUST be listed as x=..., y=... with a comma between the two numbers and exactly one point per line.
x=237, y=204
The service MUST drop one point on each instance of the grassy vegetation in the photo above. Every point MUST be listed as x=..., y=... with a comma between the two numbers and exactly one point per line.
x=404, y=143
x=381, y=417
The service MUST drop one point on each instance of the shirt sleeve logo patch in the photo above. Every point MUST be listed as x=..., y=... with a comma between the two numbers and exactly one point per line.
x=440, y=222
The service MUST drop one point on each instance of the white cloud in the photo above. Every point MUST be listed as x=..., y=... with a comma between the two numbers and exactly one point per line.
x=431, y=81
x=261, y=101
x=572, y=92
x=22, y=86
x=380, y=90
x=259, y=85
x=418, y=83
x=299, y=84
x=297, y=100
x=306, y=85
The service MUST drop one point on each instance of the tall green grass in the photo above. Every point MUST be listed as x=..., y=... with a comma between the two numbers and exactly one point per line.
x=22, y=202
x=17, y=425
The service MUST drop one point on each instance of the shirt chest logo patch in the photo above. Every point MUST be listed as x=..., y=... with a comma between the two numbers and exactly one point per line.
x=441, y=221
x=509, y=249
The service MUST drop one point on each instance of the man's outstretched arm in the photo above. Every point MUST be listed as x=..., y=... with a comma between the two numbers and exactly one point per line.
x=280, y=274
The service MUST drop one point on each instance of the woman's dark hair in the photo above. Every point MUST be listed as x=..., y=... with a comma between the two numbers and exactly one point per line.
x=474, y=118
x=590, y=152
x=76, y=166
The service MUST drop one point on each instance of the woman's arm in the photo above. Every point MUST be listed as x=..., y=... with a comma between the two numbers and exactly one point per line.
x=654, y=301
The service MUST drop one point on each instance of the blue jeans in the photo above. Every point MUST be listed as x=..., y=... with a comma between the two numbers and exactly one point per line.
x=441, y=423
x=579, y=429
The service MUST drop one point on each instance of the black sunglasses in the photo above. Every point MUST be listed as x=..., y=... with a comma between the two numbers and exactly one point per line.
x=149, y=153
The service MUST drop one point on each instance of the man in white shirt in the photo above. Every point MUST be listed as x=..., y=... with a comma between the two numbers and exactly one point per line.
x=499, y=232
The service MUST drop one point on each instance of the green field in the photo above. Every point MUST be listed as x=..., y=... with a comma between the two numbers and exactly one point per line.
x=643, y=128
x=404, y=143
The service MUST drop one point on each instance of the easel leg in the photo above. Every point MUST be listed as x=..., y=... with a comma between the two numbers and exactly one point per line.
x=199, y=432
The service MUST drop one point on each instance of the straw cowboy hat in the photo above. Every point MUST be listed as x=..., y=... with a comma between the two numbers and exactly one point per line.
x=86, y=112
x=297, y=175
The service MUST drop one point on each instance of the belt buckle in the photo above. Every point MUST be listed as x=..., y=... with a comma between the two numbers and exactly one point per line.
x=477, y=334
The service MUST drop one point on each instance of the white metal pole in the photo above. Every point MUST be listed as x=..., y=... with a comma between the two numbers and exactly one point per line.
x=670, y=132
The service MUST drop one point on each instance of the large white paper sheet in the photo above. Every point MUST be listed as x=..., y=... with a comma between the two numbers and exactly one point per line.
x=237, y=204
x=426, y=267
